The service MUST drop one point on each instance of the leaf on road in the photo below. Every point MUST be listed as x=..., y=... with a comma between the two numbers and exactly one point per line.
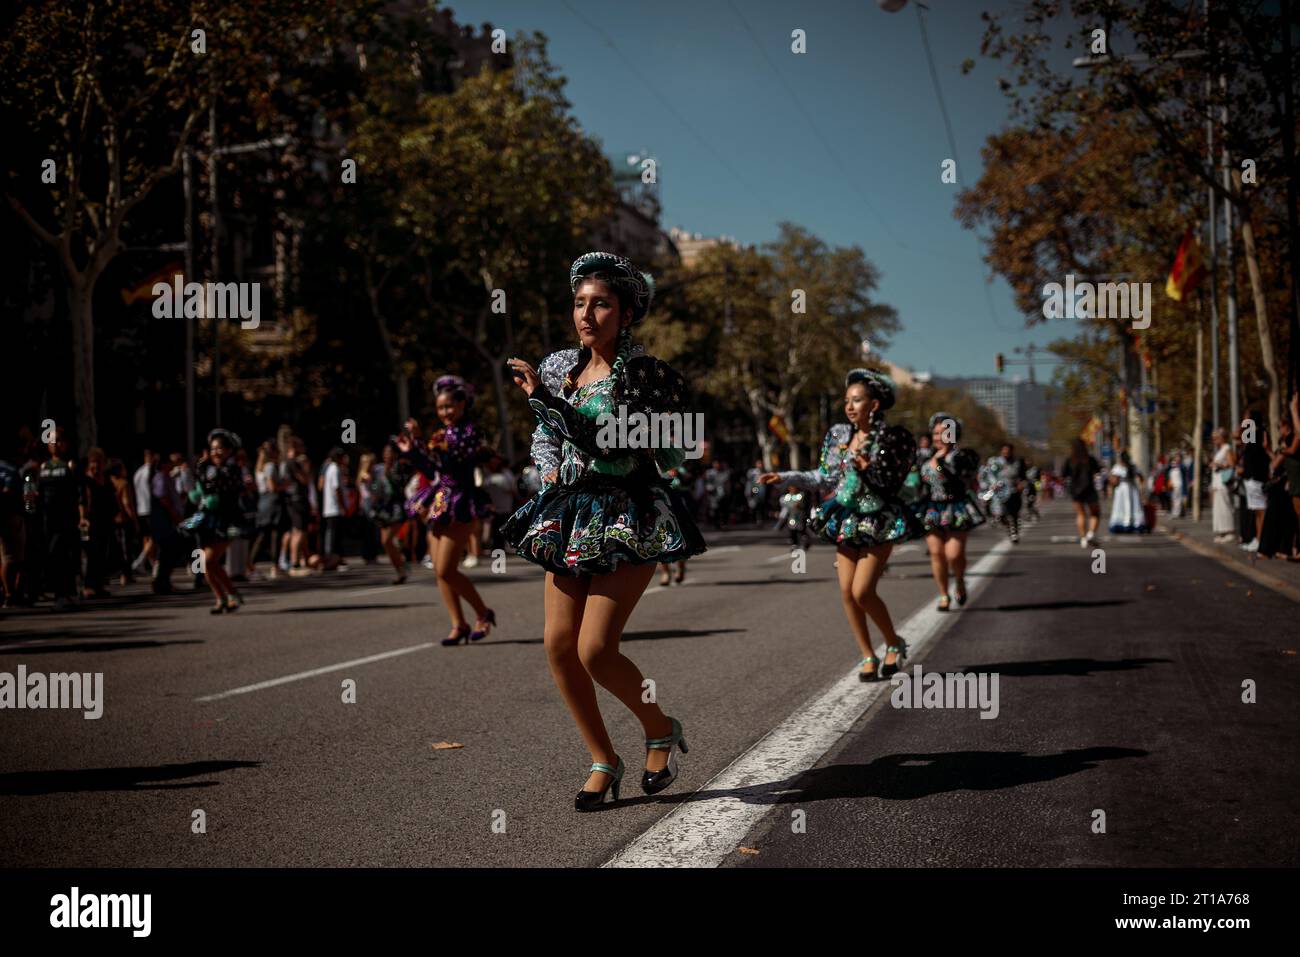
x=446, y=745
x=747, y=850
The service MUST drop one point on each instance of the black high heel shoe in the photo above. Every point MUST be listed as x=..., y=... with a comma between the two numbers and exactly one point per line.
x=871, y=675
x=478, y=634
x=590, y=800
x=899, y=651
x=218, y=609
x=461, y=634
x=652, y=782
x=961, y=592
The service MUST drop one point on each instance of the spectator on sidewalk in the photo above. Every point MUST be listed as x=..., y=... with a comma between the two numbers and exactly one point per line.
x=63, y=514
x=1277, y=537
x=333, y=508
x=142, y=487
x=13, y=534
x=1177, y=484
x=1254, y=469
x=1223, y=467
x=166, y=511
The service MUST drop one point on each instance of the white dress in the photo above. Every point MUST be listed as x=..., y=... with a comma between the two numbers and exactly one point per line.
x=1126, y=505
x=1225, y=522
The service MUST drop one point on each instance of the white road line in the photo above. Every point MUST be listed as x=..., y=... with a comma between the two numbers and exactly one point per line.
x=703, y=831
x=314, y=672
x=655, y=588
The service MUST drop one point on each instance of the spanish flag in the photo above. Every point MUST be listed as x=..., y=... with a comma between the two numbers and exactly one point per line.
x=1089, y=433
x=778, y=428
x=1188, y=269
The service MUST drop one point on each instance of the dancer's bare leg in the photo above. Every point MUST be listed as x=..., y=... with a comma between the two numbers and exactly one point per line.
x=934, y=541
x=611, y=599
x=564, y=599
x=866, y=575
x=452, y=541
x=955, y=551
x=846, y=563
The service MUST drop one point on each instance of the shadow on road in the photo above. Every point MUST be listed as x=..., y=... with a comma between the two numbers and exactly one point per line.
x=906, y=777
x=312, y=609
x=63, y=649
x=115, y=779
x=1075, y=667
x=1058, y=605
x=800, y=580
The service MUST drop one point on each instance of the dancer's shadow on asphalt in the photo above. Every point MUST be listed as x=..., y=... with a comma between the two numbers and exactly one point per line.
x=1056, y=605
x=29, y=783
x=800, y=580
x=906, y=777
x=1074, y=667
x=312, y=609
x=63, y=649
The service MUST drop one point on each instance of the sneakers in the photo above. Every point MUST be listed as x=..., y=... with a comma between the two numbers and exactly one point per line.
x=471, y=561
x=427, y=562
x=1251, y=546
x=1083, y=541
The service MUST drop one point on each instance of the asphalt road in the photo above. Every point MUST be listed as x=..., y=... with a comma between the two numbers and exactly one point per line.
x=1117, y=691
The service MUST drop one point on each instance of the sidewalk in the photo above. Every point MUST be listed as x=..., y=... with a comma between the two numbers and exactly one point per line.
x=1275, y=573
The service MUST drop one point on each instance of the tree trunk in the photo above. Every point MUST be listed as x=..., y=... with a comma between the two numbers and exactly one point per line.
x=81, y=291
x=506, y=433
x=399, y=377
x=761, y=433
x=786, y=413
x=1261, y=316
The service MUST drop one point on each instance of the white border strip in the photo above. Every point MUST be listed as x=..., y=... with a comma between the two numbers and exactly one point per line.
x=314, y=672
x=703, y=832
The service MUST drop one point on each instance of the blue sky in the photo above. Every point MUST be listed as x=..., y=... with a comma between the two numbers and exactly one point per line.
x=846, y=139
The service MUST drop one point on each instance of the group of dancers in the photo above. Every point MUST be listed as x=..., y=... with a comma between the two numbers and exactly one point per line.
x=605, y=517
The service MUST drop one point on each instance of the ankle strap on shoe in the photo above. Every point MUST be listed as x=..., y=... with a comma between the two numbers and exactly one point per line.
x=655, y=743
x=606, y=768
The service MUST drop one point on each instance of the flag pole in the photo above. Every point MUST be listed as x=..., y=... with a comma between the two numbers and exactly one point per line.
x=1197, y=441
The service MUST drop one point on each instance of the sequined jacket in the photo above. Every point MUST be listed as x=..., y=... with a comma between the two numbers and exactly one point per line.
x=217, y=489
x=954, y=479
x=890, y=451
x=999, y=477
x=452, y=467
x=565, y=441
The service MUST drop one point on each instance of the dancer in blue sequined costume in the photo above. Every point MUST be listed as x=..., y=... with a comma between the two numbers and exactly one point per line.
x=863, y=465
x=604, y=516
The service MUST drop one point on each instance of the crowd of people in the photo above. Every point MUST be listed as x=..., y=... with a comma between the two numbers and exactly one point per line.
x=1255, y=486
x=70, y=528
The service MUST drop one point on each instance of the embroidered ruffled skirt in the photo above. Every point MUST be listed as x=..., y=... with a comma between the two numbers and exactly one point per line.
x=593, y=525
x=957, y=515
x=210, y=527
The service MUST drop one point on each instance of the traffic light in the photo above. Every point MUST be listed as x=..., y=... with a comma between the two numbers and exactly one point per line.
x=1002, y=364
